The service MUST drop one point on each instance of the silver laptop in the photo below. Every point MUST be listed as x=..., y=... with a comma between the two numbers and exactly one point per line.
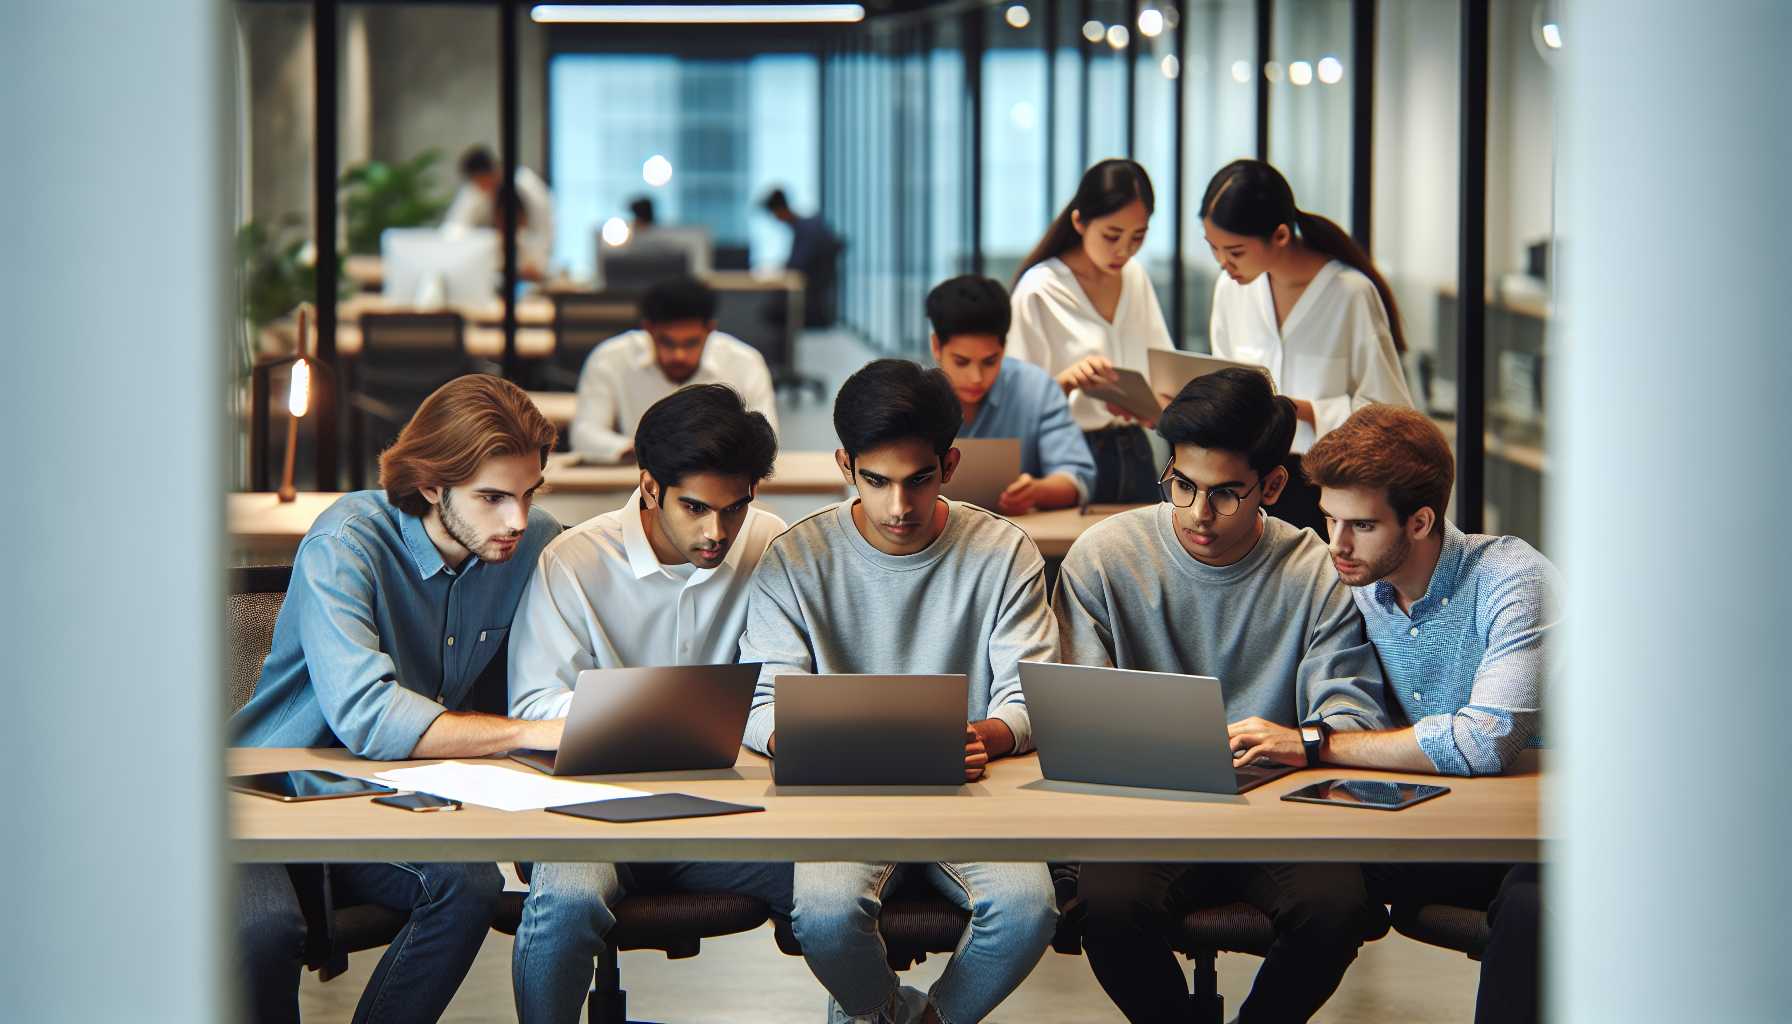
x=1171, y=370
x=663, y=719
x=1118, y=727
x=870, y=730
x=986, y=466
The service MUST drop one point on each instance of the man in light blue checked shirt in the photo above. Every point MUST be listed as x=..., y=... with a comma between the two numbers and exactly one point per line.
x=1003, y=397
x=1459, y=622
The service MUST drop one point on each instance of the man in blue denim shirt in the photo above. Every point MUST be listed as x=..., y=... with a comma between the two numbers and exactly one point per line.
x=399, y=604
x=1459, y=622
x=1004, y=397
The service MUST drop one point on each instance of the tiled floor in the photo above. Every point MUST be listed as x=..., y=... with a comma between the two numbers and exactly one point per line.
x=743, y=979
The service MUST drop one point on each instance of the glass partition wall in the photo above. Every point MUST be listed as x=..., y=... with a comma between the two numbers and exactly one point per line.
x=941, y=141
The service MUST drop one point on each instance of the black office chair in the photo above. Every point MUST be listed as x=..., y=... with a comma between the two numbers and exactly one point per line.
x=332, y=932
x=1204, y=932
x=403, y=358
x=1463, y=929
x=583, y=321
x=674, y=923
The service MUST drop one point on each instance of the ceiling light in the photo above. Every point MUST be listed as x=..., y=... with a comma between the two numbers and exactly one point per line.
x=1151, y=22
x=1300, y=73
x=1118, y=37
x=1094, y=30
x=656, y=171
x=690, y=14
x=1017, y=16
x=1331, y=70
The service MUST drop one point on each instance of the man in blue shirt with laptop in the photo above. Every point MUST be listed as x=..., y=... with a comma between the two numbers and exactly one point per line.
x=1004, y=397
x=1459, y=622
x=394, y=624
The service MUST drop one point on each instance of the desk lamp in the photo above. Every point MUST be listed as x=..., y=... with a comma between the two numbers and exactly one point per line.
x=298, y=401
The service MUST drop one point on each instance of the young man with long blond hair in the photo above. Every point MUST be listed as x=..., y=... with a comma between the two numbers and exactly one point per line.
x=392, y=633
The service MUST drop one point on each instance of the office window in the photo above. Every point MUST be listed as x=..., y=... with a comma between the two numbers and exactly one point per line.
x=1219, y=94
x=1068, y=142
x=1108, y=35
x=729, y=130
x=1158, y=69
x=1309, y=103
x=1014, y=154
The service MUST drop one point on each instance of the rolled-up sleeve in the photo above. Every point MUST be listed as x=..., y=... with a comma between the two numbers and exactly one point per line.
x=1505, y=704
x=1339, y=680
x=1062, y=446
x=356, y=683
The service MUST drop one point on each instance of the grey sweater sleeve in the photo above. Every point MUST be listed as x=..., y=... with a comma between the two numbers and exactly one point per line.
x=777, y=636
x=1085, y=636
x=1024, y=631
x=1339, y=678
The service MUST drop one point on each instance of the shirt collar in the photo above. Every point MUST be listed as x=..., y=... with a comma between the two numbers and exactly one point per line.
x=641, y=559
x=1449, y=564
x=1443, y=578
x=423, y=550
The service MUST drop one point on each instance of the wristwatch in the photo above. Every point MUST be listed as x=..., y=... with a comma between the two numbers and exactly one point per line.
x=1312, y=736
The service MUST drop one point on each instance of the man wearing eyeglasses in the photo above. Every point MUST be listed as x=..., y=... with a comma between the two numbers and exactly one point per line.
x=1206, y=583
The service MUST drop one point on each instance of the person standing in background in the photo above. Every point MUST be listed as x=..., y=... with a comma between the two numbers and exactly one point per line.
x=814, y=253
x=475, y=206
x=1083, y=306
x=1302, y=299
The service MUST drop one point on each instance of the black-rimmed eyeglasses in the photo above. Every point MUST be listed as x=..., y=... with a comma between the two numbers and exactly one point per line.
x=1181, y=492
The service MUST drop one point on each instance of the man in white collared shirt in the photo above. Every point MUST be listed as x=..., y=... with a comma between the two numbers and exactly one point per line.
x=662, y=580
x=677, y=345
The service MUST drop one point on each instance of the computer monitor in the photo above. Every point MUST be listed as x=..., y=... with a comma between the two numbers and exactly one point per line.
x=429, y=268
x=654, y=255
x=631, y=271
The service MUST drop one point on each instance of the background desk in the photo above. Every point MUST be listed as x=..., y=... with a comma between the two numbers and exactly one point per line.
x=1004, y=817
x=265, y=532
x=801, y=482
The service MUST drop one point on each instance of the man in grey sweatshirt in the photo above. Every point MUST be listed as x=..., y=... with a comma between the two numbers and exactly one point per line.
x=899, y=580
x=1207, y=584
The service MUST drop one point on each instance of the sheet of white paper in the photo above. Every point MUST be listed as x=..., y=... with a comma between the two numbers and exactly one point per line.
x=506, y=789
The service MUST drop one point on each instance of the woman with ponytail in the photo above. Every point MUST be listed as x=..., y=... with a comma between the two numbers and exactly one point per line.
x=1083, y=306
x=1300, y=297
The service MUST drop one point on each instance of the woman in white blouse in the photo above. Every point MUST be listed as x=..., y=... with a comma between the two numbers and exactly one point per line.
x=1083, y=306
x=1301, y=298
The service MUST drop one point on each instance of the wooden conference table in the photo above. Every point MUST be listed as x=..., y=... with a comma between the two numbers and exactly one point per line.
x=1009, y=815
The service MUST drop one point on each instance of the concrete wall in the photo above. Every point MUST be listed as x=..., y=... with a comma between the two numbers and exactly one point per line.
x=410, y=78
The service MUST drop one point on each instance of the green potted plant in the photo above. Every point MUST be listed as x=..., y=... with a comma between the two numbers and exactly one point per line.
x=377, y=195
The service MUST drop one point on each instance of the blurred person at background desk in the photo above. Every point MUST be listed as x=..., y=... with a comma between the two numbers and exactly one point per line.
x=476, y=205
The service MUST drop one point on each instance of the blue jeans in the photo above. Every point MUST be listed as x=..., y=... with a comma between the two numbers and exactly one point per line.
x=451, y=907
x=1013, y=914
x=568, y=914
